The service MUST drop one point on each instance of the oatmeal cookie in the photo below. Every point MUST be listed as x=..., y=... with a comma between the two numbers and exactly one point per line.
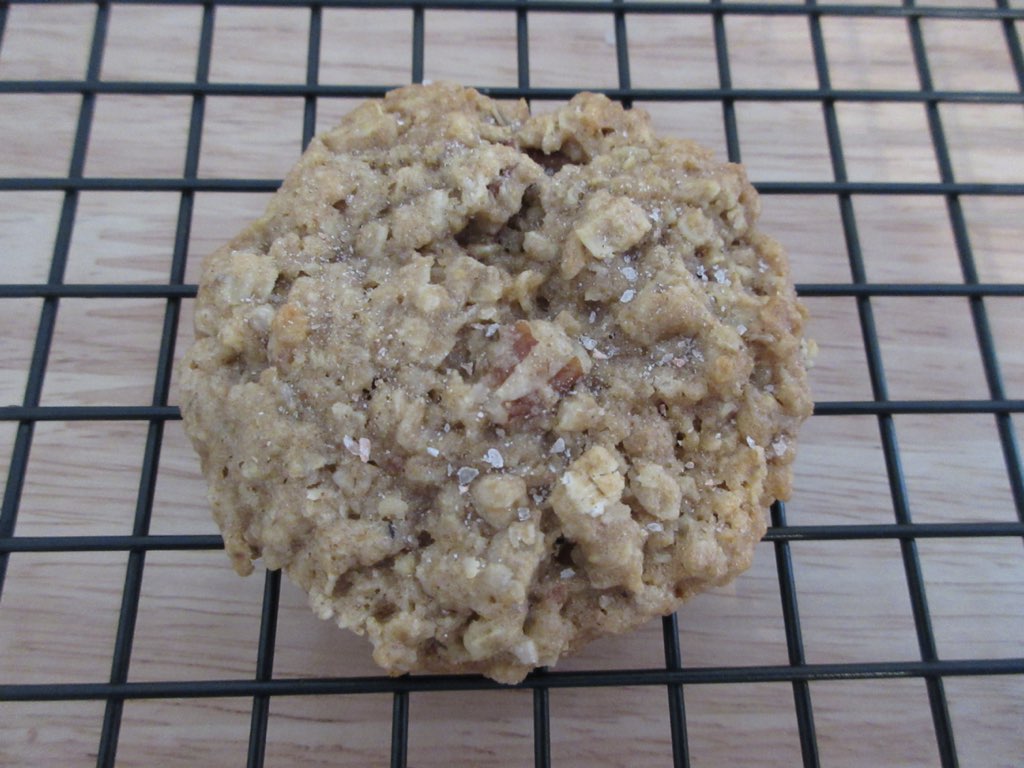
x=489, y=386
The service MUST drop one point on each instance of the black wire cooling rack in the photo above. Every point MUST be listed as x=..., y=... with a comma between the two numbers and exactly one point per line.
x=673, y=675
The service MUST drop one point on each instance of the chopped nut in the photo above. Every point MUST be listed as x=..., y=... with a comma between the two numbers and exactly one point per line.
x=566, y=376
x=522, y=341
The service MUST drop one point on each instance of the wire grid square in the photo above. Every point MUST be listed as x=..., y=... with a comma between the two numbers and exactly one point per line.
x=122, y=237
x=948, y=41
x=958, y=479
x=991, y=225
x=1008, y=328
x=898, y=714
x=829, y=445
x=740, y=624
x=7, y=432
x=383, y=58
x=917, y=363
x=114, y=363
x=672, y=52
x=67, y=27
x=329, y=730
x=284, y=62
x=770, y=52
x=273, y=125
x=471, y=45
x=957, y=582
x=980, y=699
x=27, y=744
x=851, y=615
x=568, y=50
x=486, y=723
x=138, y=135
x=871, y=53
x=714, y=714
x=149, y=43
x=93, y=465
x=173, y=644
x=19, y=319
x=784, y=86
x=635, y=710
x=886, y=142
x=180, y=506
x=204, y=732
x=783, y=140
x=840, y=368
x=28, y=221
x=699, y=120
x=44, y=147
x=906, y=237
x=40, y=647
x=814, y=236
x=974, y=160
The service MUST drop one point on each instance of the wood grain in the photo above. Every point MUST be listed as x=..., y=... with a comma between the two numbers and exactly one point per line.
x=198, y=621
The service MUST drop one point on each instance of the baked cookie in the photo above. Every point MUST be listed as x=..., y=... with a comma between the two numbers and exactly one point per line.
x=489, y=386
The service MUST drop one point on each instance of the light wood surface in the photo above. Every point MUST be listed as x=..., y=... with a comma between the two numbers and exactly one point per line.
x=198, y=621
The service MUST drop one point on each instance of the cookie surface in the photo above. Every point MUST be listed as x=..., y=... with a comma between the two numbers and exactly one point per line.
x=489, y=386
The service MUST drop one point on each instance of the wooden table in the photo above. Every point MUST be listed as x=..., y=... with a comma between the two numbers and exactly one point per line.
x=197, y=621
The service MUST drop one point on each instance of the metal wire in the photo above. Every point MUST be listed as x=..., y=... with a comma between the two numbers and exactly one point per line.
x=783, y=673
x=154, y=437
x=794, y=640
x=601, y=6
x=676, y=702
x=675, y=676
